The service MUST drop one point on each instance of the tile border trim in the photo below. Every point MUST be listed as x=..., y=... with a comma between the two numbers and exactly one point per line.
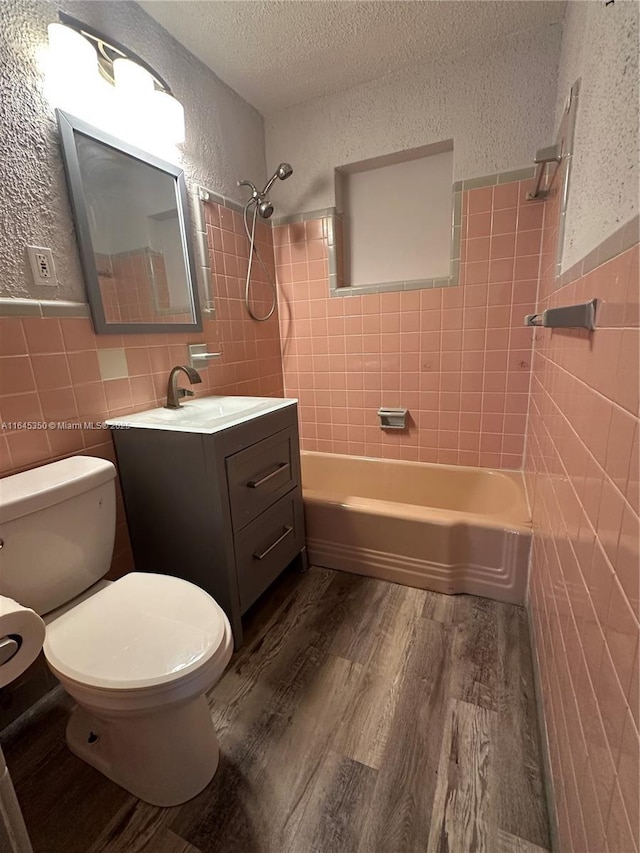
x=292, y=218
x=452, y=280
x=620, y=241
x=331, y=215
x=346, y=290
x=495, y=180
x=205, y=194
x=288, y=219
x=10, y=307
x=203, y=258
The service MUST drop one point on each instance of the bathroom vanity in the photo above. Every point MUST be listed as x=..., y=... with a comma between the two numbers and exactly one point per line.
x=212, y=494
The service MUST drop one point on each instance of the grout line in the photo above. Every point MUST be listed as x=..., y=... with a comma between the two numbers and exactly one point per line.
x=587, y=672
x=533, y=351
x=569, y=480
x=602, y=397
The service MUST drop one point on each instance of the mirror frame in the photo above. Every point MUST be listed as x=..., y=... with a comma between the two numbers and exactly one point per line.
x=70, y=125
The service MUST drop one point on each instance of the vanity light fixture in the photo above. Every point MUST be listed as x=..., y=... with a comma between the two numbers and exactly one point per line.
x=104, y=83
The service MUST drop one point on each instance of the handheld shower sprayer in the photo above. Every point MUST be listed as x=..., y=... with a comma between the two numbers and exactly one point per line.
x=264, y=209
x=284, y=171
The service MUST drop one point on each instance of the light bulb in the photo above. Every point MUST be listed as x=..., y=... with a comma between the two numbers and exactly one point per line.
x=132, y=79
x=169, y=117
x=132, y=109
x=71, y=70
x=71, y=52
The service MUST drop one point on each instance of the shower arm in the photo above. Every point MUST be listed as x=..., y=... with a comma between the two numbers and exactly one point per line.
x=254, y=192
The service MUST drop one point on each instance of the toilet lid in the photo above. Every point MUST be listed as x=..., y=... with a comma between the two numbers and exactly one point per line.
x=141, y=631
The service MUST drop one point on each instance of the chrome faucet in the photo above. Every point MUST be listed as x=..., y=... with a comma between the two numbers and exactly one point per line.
x=175, y=394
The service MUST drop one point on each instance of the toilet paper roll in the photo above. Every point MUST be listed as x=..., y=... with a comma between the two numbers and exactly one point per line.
x=25, y=627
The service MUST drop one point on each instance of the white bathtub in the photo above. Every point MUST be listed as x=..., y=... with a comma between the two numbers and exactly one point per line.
x=446, y=528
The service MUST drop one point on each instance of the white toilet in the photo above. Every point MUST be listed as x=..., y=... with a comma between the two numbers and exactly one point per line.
x=137, y=654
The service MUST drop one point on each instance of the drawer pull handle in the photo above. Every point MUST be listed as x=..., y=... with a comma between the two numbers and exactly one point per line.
x=255, y=484
x=273, y=545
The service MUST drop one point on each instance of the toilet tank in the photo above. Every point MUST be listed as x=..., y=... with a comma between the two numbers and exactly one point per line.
x=57, y=526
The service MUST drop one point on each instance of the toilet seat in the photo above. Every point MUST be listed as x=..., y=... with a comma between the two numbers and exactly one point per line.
x=142, y=631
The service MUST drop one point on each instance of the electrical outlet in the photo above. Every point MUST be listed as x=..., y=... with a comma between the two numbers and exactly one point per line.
x=42, y=266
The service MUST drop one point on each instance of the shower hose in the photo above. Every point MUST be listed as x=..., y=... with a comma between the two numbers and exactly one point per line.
x=253, y=250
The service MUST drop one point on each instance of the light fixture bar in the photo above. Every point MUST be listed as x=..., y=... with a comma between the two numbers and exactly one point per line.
x=109, y=50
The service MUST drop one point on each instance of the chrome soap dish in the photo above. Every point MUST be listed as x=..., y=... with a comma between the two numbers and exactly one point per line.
x=393, y=418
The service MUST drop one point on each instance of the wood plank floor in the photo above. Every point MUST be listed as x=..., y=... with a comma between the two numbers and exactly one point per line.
x=359, y=717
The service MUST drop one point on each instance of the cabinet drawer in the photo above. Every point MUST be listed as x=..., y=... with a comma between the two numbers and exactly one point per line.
x=267, y=546
x=261, y=474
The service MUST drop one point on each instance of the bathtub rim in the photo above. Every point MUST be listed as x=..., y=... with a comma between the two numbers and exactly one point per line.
x=414, y=512
x=419, y=512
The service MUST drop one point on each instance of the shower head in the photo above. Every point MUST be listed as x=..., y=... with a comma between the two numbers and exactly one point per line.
x=283, y=171
x=265, y=209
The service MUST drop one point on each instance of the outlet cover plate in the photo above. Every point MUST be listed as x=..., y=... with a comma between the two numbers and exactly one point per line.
x=43, y=269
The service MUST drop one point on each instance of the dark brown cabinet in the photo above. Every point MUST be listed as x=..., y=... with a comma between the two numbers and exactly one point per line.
x=222, y=510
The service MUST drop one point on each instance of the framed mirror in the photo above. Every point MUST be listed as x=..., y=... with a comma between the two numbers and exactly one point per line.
x=132, y=222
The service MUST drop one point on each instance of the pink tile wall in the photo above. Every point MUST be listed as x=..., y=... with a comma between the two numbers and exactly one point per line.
x=49, y=368
x=126, y=282
x=458, y=358
x=582, y=473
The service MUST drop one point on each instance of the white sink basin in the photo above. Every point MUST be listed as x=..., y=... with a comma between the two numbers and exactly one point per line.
x=204, y=414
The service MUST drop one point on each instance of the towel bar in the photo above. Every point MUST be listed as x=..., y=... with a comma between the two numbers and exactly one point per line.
x=582, y=316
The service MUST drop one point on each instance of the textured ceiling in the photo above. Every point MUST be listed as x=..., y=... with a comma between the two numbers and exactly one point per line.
x=276, y=53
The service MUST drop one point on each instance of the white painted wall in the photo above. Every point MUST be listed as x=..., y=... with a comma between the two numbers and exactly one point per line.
x=600, y=46
x=225, y=136
x=399, y=220
x=496, y=105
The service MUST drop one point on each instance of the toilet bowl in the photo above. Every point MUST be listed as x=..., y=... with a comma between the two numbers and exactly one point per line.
x=137, y=655
x=152, y=645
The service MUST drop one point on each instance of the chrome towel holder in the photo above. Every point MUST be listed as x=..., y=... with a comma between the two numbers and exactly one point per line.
x=543, y=157
x=582, y=316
